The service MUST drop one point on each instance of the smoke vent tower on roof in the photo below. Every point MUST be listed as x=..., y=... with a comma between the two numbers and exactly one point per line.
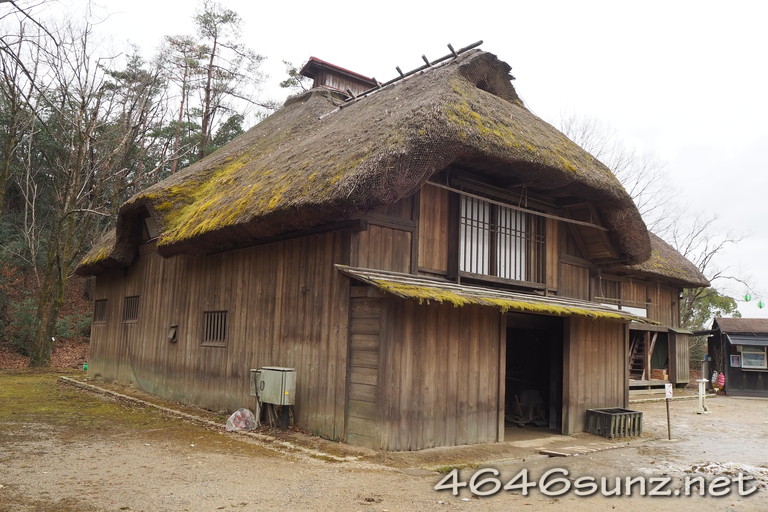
x=336, y=78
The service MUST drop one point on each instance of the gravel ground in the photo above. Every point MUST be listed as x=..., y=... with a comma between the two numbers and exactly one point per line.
x=63, y=449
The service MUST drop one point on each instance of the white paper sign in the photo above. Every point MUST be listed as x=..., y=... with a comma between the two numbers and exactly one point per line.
x=668, y=390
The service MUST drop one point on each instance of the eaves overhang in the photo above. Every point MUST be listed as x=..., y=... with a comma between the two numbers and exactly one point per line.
x=428, y=290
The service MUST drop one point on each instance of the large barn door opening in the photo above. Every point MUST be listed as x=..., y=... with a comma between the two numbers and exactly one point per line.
x=534, y=372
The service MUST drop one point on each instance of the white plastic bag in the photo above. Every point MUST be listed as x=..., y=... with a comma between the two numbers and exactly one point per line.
x=242, y=419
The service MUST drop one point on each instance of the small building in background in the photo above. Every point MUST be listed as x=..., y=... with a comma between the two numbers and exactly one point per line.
x=738, y=347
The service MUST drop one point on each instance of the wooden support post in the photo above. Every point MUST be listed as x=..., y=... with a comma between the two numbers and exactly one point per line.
x=647, y=358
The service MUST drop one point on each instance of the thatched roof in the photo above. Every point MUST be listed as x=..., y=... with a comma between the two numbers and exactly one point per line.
x=312, y=163
x=668, y=263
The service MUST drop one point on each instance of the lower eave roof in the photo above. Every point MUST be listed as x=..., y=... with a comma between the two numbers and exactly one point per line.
x=752, y=341
x=425, y=289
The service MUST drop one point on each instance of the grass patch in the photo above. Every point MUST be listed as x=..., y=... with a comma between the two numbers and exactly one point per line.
x=37, y=401
x=444, y=470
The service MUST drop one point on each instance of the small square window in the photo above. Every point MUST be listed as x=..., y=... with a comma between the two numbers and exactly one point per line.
x=131, y=309
x=215, y=328
x=100, y=311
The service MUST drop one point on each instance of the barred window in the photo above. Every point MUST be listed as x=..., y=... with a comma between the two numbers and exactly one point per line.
x=215, y=328
x=100, y=311
x=131, y=309
x=501, y=242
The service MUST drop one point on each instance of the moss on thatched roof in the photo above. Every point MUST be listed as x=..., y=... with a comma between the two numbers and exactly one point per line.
x=313, y=163
x=668, y=263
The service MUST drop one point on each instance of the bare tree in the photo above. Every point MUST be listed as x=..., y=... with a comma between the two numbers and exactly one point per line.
x=81, y=148
x=643, y=176
x=231, y=69
x=181, y=59
x=80, y=132
x=693, y=235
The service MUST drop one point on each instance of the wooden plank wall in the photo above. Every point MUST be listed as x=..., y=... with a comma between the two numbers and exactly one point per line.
x=287, y=305
x=574, y=281
x=383, y=248
x=440, y=375
x=363, y=375
x=434, y=223
x=663, y=304
x=388, y=242
x=338, y=82
x=594, y=366
x=679, y=354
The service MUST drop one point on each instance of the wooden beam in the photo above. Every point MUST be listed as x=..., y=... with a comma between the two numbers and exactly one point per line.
x=454, y=234
x=519, y=208
x=647, y=356
x=350, y=225
x=415, y=217
x=502, y=376
x=390, y=221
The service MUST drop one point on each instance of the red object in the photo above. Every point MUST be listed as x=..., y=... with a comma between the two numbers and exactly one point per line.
x=721, y=380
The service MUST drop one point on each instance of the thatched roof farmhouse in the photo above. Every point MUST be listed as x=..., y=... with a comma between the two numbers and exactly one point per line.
x=430, y=258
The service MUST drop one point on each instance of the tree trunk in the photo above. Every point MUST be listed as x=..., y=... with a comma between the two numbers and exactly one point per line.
x=8, y=147
x=50, y=300
x=177, y=134
x=205, y=127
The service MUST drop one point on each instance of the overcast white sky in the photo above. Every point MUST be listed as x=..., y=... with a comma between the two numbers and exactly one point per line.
x=684, y=81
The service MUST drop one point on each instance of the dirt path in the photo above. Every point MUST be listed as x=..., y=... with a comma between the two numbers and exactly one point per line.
x=62, y=449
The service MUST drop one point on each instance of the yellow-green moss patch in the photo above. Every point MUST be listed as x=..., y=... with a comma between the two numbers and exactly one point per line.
x=422, y=293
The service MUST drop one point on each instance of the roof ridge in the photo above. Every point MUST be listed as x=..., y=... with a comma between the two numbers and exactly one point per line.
x=428, y=66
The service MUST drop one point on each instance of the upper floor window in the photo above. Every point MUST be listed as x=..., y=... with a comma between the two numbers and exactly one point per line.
x=131, y=309
x=100, y=311
x=499, y=241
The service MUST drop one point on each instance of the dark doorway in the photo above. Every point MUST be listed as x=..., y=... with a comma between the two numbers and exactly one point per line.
x=534, y=371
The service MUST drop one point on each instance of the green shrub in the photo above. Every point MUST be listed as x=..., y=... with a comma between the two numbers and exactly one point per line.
x=22, y=322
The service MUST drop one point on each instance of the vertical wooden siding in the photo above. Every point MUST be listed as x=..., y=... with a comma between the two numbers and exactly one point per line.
x=383, y=248
x=434, y=223
x=594, y=366
x=439, y=375
x=574, y=281
x=287, y=306
x=363, y=418
x=679, y=353
x=663, y=304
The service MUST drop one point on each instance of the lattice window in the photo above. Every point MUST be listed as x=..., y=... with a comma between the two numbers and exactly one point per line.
x=100, y=311
x=501, y=242
x=131, y=309
x=215, y=328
